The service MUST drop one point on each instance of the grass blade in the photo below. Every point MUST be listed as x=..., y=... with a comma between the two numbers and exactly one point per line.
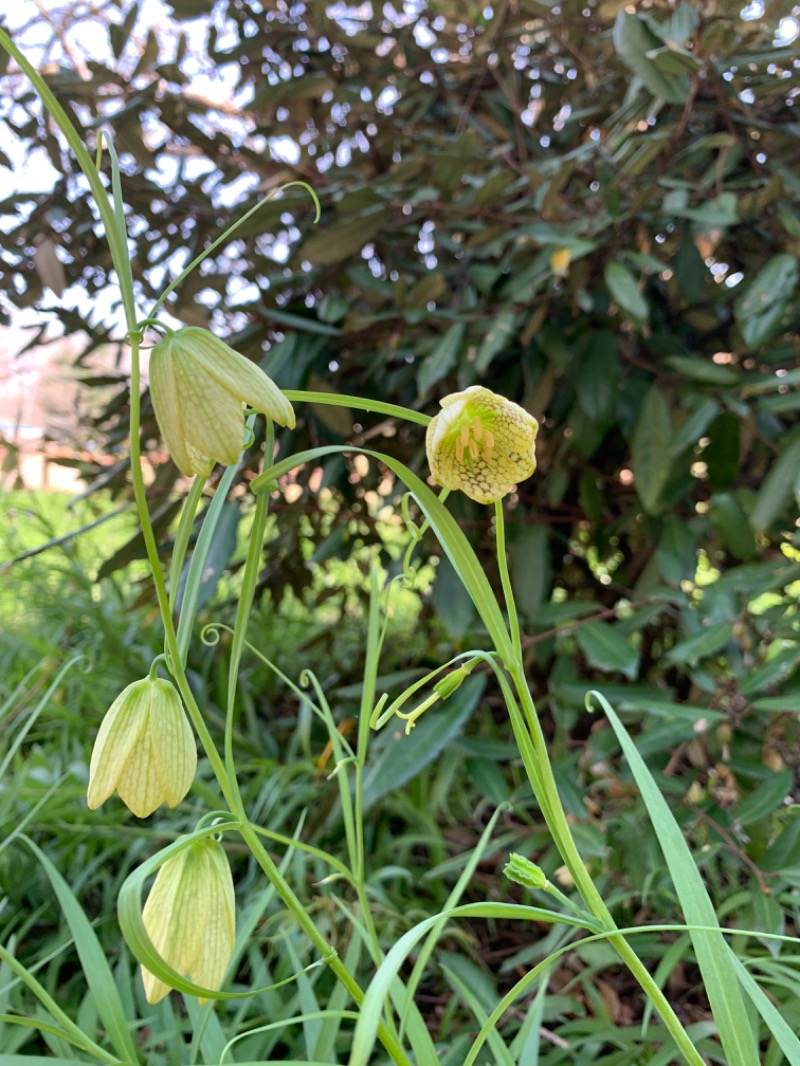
x=720, y=976
x=93, y=961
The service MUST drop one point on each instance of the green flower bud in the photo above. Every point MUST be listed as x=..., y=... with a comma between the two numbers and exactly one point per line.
x=190, y=917
x=198, y=385
x=145, y=749
x=448, y=684
x=524, y=872
x=481, y=443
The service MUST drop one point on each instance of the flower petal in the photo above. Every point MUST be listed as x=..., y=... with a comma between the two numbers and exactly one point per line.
x=168, y=407
x=212, y=420
x=172, y=744
x=190, y=917
x=119, y=734
x=237, y=375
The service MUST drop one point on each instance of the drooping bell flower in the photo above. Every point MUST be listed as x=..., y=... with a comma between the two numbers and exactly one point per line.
x=481, y=443
x=145, y=749
x=198, y=385
x=190, y=917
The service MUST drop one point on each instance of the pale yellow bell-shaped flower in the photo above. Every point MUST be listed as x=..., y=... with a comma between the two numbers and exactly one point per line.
x=145, y=749
x=198, y=385
x=190, y=917
x=481, y=443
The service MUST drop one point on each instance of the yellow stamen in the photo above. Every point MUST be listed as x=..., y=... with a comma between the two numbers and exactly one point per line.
x=459, y=450
x=477, y=427
x=488, y=445
x=473, y=449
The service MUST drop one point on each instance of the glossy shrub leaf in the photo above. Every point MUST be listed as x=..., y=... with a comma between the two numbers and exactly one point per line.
x=778, y=487
x=442, y=359
x=732, y=525
x=701, y=645
x=760, y=309
x=633, y=39
x=606, y=649
x=650, y=449
x=625, y=291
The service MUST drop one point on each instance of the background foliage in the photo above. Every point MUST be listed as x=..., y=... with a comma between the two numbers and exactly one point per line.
x=588, y=209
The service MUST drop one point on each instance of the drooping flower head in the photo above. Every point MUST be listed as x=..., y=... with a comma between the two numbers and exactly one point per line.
x=198, y=385
x=190, y=917
x=481, y=443
x=145, y=749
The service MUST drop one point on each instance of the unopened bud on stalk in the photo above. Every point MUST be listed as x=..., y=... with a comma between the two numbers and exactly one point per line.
x=524, y=872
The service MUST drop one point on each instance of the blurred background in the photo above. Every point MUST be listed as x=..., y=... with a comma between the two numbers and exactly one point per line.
x=590, y=207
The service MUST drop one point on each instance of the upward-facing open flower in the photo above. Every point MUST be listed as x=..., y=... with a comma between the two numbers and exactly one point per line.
x=198, y=385
x=481, y=443
x=190, y=917
x=145, y=749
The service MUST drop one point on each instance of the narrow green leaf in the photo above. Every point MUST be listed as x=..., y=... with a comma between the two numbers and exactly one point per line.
x=372, y=1006
x=713, y=956
x=95, y=967
x=786, y=1039
x=474, y=987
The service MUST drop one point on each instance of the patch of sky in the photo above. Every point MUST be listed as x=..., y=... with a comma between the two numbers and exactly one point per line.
x=242, y=291
x=350, y=17
x=387, y=99
x=788, y=31
x=284, y=150
x=423, y=35
x=754, y=10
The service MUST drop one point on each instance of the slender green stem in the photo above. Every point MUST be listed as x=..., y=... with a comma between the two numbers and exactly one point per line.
x=226, y=774
x=226, y=235
x=306, y=923
x=242, y=618
x=179, y=548
x=505, y=579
